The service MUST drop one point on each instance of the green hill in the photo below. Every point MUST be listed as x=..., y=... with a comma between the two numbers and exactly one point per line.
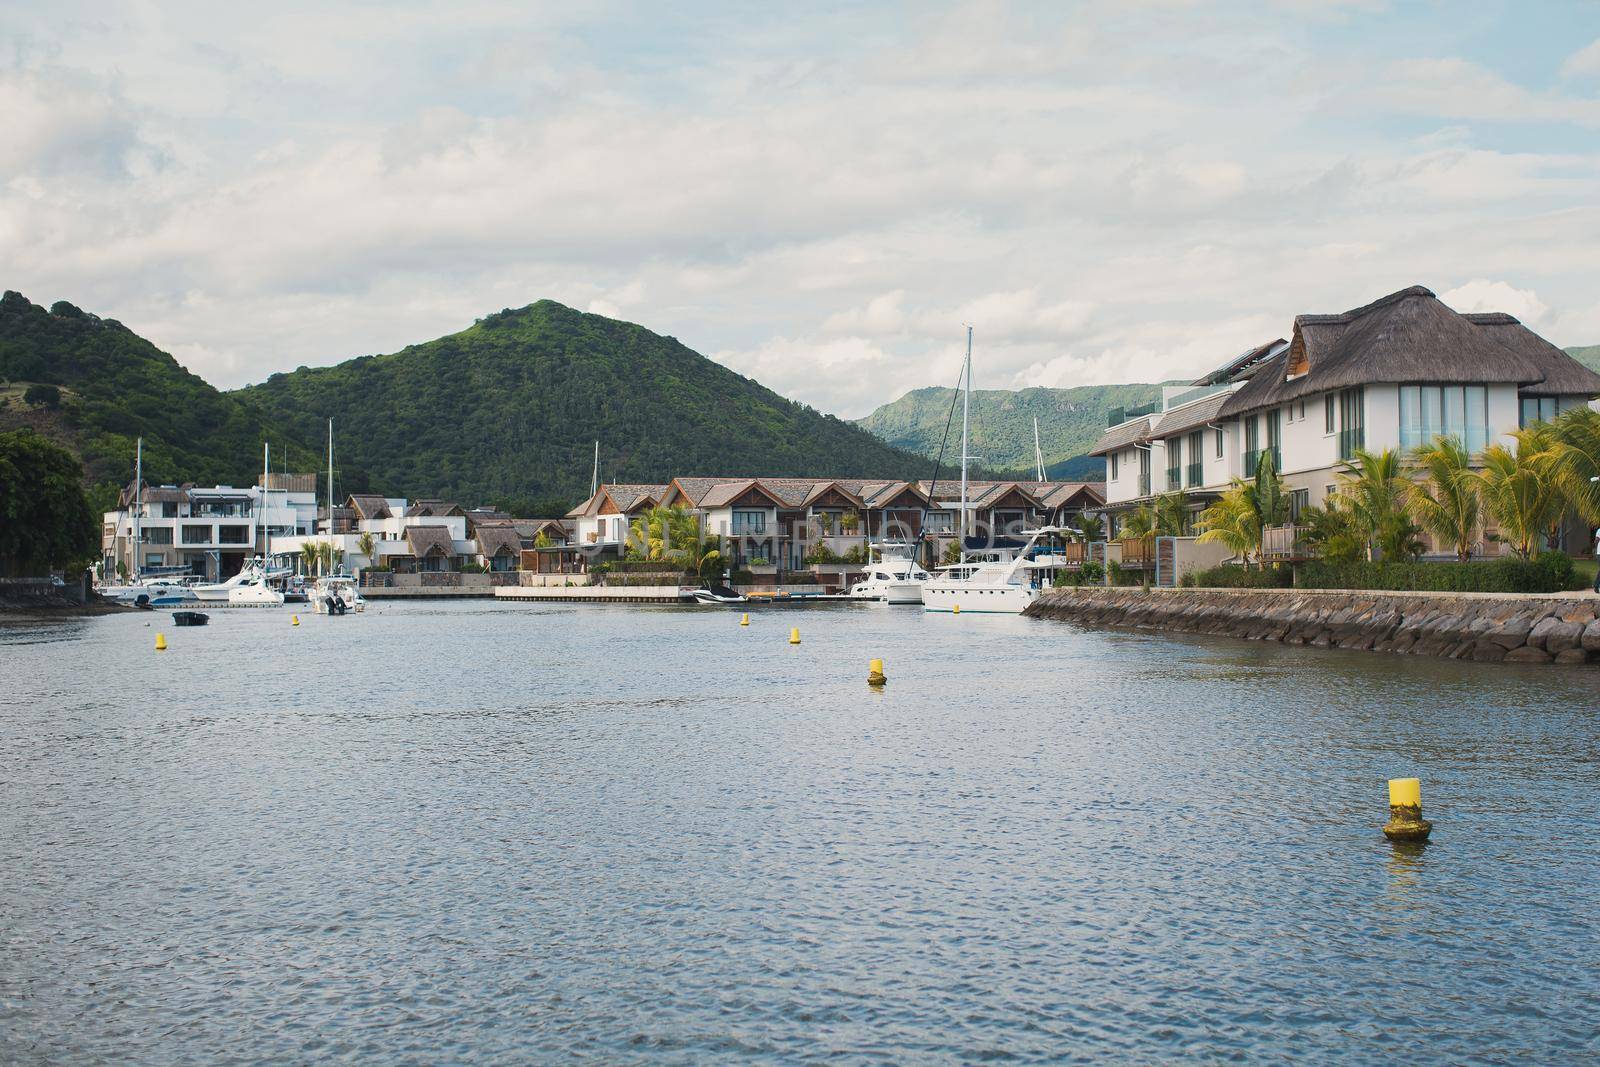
x=1589, y=356
x=509, y=409
x=1002, y=425
x=111, y=386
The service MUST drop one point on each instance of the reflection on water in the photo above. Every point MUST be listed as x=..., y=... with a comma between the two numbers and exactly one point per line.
x=479, y=831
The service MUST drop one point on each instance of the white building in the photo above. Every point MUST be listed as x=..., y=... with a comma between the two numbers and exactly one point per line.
x=208, y=531
x=390, y=533
x=1392, y=375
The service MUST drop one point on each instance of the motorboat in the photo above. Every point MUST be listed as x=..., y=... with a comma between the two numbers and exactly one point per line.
x=1001, y=586
x=336, y=594
x=190, y=618
x=895, y=579
x=718, y=594
x=150, y=592
x=221, y=592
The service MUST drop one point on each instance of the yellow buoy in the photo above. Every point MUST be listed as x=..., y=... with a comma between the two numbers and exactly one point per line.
x=294, y=620
x=875, y=675
x=744, y=620
x=1405, y=812
x=794, y=636
x=955, y=609
x=161, y=642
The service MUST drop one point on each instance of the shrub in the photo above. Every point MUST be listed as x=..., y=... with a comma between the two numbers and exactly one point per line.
x=1551, y=572
x=822, y=554
x=42, y=396
x=1233, y=576
x=1092, y=573
x=744, y=577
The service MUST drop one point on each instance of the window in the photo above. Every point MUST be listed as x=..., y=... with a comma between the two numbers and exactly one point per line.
x=1174, y=463
x=940, y=521
x=1196, y=467
x=197, y=535
x=1352, y=421
x=1274, y=428
x=233, y=535
x=1252, y=434
x=1299, y=501
x=157, y=535
x=1144, y=472
x=1327, y=414
x=1218, y=432
x=1430, y=411
x=1329, y=492
x=1537, y=409
x=1115, y=456
x=749, y=522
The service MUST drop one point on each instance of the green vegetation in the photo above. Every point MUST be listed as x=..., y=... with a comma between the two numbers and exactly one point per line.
x=1550, y=572
x=1229, y=576
x=94, y=386
x=1588, y=355
x=1070, y=421
x=1240, y=517
x=45, y=519
x=511, y=408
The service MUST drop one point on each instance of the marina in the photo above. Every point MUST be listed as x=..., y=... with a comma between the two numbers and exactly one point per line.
x=1035, y=838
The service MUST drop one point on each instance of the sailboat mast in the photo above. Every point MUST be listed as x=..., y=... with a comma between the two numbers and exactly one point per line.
x=594, y=479
x=966, y=418
x=330, y=493
x=1038, y=453
x=138, y=501
x=266, y=478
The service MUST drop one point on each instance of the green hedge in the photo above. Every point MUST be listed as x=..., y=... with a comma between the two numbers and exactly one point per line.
x=1551, y=572
x=651, y=566
x=658, y=578
x=1230, y=576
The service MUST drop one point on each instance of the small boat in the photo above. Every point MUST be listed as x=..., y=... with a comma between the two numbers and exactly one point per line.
x=718, y=594
x=190, y=618
x=336, y=595
x=895, y=579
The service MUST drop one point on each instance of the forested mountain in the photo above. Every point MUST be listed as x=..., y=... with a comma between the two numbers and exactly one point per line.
x=95, y=386
x=509, y=409
x=1002, y=425
x=1589, y=356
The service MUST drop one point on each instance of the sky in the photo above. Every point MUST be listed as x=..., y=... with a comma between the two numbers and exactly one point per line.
x=818, y=196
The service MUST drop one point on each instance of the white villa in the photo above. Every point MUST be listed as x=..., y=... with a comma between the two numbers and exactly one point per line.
x=1391, y=375
x=209, y=531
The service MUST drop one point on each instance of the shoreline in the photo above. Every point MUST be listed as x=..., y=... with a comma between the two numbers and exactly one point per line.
x=1533, y=628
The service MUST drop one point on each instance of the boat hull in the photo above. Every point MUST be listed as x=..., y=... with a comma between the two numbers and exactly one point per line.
x=888, y=592
x=974, y=597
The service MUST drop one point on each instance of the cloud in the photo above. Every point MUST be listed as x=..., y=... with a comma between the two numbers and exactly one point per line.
x=1584, y=63
x=1481, y=294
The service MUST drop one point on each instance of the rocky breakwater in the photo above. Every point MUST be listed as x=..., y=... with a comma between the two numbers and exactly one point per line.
x=1560, y=629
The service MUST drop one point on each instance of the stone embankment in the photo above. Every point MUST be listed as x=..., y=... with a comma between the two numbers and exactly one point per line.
x=1560, y=628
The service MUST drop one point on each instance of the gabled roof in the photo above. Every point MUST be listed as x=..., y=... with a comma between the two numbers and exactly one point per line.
x=1563, y=375
x=368, y=505
x=792, y=492
x=430, y=540
x=1405, y=337
x=693, y=490
x=725, y=493
x=496, y=538
x=433, y=509
x=530, y=529
x=1062, y=493
x=630, y=498
x=1134, y=431
x=821, y=489
x=1190, y=416
x=881, y=494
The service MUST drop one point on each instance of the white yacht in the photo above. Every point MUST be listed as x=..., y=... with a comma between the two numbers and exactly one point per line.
x=152, y=592
x=1005, y=586
x=248, y=588
x=895, y=579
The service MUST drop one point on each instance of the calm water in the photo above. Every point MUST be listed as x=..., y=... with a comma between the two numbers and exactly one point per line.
x=525, y=833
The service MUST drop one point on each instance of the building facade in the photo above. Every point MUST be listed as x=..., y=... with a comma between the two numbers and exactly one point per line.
x=208, y=531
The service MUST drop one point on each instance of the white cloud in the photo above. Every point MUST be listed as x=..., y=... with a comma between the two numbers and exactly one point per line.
x=1584, y=63
x=1481, y=294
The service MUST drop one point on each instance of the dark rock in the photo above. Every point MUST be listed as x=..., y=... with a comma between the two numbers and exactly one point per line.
x=1488, y=652
x=1527, y=654
x=1571, y=657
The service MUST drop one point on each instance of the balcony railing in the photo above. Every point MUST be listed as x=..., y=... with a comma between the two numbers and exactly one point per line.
x=1197, y=474
x=1174, y=478
x=1138, y=551
x=1252, y=461
x=1284, y=543
x=1350, y=440
x=1144, y=485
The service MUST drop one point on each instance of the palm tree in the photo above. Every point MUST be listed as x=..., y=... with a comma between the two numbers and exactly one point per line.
x=367, y=546
x=1376, y=490
x=1575, y=461
x=1520, y=489
x=664, y=533
x=1446, y=501
x=1334, y=532
x=1171, y=514
x=1271, y=501
x=310, y=553
x=1234, y=521
x=1140, y=523
x=1093, y=527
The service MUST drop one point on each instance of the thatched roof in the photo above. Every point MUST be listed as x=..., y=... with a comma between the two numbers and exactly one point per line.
x=493, y=539
x=430, y=540
x=1563, y=375
x=293, y=483
x=1405, y=337
x=1135, y=431
x=433, y=509
x=369, y=505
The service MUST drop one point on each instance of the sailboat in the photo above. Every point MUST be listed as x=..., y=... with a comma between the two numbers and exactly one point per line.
x=1004, y=585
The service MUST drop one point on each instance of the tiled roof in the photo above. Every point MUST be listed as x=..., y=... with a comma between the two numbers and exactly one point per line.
x=694, y=489
x=1061, y=492
x=628, y=498
x=1190, y=416
x=1135, y=431
x=725, y=493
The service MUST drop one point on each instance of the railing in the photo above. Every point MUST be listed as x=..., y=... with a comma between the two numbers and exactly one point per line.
x=1197, y=474
x=1138, y=551
x=1118, y=415
x=1252, y=461
x=1174, y=478
x=1196, y=393
x=1350, y=440
x=1284, y=543
x=1144, y=485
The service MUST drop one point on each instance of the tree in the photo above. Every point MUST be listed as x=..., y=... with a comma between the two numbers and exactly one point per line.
x=1271, y=499
x=42, y=396
x=1575, y=460
x=1519, y=488
x=1171, y=514
x=711, y=562
x=1375, y=489
x=1093, y=527
x=1140, y=523
x=1446, y=502
x=366, y=545
x=45, y=520
x=1333, y=531
x=664, y=533
x=1234, y=521
x=309, y=555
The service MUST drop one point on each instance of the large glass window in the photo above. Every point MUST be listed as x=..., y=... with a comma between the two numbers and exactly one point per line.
x=1430, y=411
x=749, y=522
x=1538, y=409
x=1352, y=421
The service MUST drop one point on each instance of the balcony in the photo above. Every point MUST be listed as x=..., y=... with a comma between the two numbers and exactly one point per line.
x=1144, y=484
x=1252, y=460
x=1138, y=551
x=1174, y=478
x=1282, y=543
x=1197, y=474
x=1350, y=440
